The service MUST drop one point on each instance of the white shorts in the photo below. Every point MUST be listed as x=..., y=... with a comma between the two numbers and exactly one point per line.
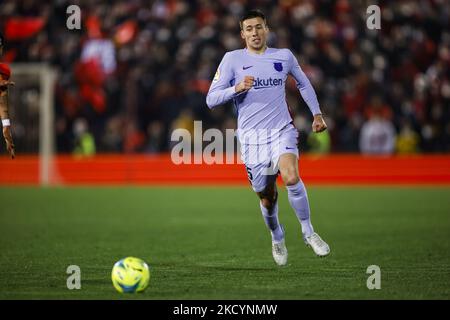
x=262, y=161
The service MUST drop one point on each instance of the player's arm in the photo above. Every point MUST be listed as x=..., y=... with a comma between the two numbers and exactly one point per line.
x=222, y=90
x=308, y=94
x=4, y=115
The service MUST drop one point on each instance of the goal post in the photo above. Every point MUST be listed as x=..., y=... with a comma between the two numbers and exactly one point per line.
x=31, y=79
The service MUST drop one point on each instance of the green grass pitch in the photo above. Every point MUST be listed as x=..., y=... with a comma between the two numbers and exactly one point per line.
x=211, y=242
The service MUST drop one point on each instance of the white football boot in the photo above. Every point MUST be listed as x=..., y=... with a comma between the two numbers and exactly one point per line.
x=279, y=251
x=319, y=246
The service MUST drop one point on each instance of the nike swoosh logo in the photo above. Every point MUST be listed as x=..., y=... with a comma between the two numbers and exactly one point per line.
x=245, y=68
x=287, y=148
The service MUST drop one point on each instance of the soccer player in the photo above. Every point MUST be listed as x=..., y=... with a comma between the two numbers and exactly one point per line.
x=5, y=74
x=255, y=77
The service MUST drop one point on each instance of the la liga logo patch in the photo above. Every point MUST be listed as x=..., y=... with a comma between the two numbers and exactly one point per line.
x=278, y=66
x=216, y=76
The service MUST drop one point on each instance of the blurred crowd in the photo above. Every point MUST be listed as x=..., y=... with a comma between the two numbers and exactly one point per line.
x=138, y=69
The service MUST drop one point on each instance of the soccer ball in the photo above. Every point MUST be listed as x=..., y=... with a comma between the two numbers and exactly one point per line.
x=130, y=275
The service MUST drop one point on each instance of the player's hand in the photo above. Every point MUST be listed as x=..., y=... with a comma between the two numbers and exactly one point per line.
x=319, y=124
x=9, y=141
x=245, y=84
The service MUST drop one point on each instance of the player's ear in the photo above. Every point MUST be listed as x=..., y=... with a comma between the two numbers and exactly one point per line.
x=242, y=34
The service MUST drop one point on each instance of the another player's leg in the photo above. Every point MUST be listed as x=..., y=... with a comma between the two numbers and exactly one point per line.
x=298, y=198
x=269, y=209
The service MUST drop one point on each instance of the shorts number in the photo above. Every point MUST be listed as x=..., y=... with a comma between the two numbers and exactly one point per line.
x=249, y=173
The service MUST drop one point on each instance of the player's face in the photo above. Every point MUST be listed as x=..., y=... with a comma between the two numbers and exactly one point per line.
x=254, y=32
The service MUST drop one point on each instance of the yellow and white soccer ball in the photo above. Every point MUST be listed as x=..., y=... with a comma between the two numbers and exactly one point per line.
x=130, y=275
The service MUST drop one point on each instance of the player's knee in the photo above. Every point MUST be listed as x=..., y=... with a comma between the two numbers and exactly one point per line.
x=267, y=203
x=268, y=199
x=291, y=178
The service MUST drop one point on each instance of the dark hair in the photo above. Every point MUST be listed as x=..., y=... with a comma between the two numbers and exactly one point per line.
x=252, y=14
x=2, y=42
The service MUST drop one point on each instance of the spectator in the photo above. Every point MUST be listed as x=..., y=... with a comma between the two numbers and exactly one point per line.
x=84, y=141
x=377, y=136
x=319, y=143
x=407, y=139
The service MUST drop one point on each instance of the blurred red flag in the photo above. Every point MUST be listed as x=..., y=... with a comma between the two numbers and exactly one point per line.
x=93, y=26
x=125, y=32
x=95, y=96
x=23, y=28
x=90, y=78
x=89, y=72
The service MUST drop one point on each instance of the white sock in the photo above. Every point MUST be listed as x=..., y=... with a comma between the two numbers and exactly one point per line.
x=298, y=198
x=271, y=220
